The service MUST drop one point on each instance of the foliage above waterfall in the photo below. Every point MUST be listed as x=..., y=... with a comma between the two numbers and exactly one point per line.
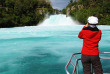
x=23, y=12
x=82, y=9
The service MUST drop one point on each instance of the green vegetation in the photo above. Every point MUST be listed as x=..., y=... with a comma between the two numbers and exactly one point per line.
x=82, y=9
x=23, y=12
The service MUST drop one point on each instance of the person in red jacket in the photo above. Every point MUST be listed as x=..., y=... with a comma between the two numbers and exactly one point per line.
x=91, y=36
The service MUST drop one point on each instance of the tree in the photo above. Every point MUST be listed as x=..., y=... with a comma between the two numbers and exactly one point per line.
x=22, y=12
x=71, y=1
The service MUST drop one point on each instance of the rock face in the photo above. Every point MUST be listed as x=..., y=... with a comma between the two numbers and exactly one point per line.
x=68, y=11
x=41, y=10
x=92, y=3
x=80, y=7
x=73, y=8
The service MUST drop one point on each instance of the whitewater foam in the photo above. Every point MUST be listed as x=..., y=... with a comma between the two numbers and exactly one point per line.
x=58, y=20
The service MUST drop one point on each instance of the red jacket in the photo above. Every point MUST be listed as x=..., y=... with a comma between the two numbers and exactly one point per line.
x=91, y=38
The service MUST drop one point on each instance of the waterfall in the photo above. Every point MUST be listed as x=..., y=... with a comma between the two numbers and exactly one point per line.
x=58, y=20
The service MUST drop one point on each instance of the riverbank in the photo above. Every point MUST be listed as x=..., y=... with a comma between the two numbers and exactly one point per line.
x=14, y=13
x=82, y=9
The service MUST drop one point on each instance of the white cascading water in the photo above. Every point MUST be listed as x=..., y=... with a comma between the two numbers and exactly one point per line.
x=58, y=20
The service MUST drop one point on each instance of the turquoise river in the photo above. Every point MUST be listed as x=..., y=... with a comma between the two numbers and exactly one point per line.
x=46, y=48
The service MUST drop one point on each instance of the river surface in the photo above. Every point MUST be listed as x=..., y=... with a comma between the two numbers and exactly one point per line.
x=45, y=49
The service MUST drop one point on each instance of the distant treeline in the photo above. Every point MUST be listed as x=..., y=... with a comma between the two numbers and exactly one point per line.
x=23, y=12
x=82, y=9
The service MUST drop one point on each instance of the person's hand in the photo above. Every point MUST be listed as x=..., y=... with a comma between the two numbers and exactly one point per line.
x=87, y=25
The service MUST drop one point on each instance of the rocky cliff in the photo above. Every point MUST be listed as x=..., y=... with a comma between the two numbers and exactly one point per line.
x=82, y=9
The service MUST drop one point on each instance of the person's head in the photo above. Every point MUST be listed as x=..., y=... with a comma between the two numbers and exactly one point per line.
x=92, y=20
